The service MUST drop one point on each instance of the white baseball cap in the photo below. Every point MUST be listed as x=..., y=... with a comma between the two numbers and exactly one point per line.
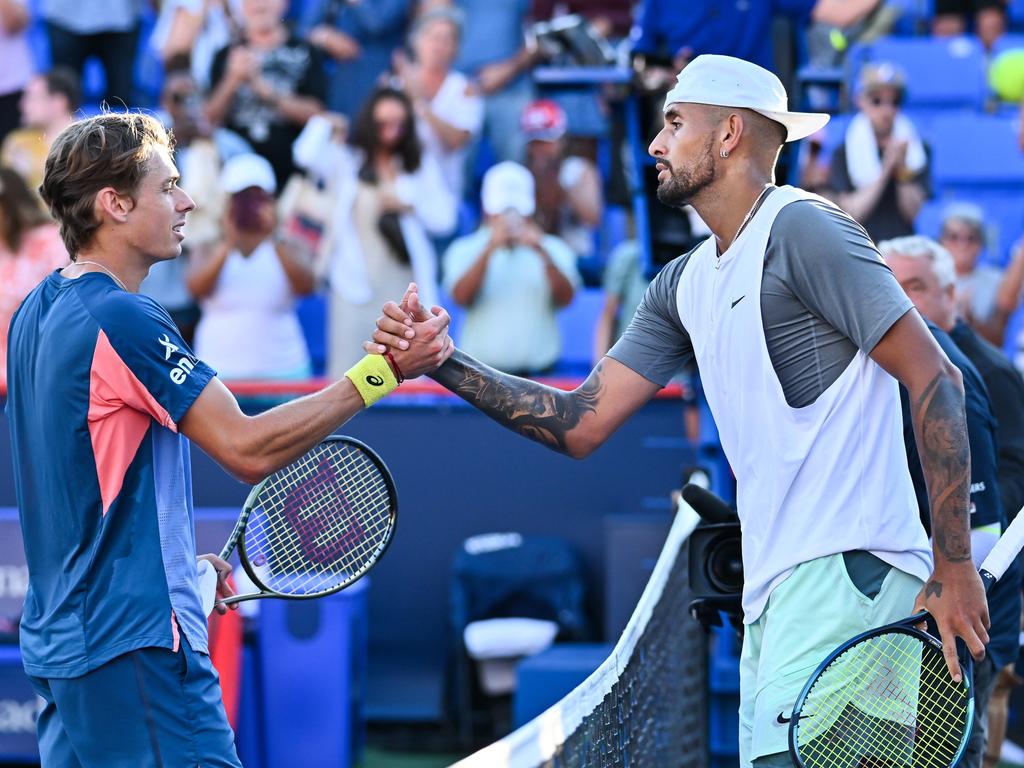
x=725, y=81
x=247, y=170
x=507, y=186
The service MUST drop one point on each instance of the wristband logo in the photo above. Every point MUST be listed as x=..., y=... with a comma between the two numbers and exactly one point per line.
x=374, y=381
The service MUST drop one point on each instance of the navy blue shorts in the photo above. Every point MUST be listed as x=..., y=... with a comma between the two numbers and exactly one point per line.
x=150, y=708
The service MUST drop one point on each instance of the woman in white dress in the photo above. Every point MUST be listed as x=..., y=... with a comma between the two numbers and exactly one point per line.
x=388, y=197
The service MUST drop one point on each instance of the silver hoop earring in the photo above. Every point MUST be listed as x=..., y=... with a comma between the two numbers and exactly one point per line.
x=724, y=153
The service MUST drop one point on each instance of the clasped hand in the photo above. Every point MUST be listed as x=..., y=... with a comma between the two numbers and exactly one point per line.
x=417, y=339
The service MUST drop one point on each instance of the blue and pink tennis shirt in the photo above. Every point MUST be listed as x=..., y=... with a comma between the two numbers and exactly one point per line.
x=98, y=380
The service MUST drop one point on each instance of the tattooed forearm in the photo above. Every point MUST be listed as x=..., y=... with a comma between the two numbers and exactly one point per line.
x=946, y=460
x=541, y=413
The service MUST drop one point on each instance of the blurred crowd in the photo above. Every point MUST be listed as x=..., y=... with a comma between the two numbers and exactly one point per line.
x=341, y=149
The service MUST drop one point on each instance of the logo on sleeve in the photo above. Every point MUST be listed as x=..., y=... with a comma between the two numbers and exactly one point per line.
x=169, y=346
x=185, y=364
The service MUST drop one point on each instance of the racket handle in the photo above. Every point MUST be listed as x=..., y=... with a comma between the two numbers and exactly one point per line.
x=1006, y=549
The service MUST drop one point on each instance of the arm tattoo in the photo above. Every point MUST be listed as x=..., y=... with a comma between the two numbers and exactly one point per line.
x=946, y=461
x=933, y=588
x=541, y=413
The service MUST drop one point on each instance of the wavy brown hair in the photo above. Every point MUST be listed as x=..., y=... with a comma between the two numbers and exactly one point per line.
x=19, y=209
x=365, y=137
x=109, y=150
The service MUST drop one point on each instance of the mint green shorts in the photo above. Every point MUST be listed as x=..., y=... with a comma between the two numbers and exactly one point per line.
x=807, y=616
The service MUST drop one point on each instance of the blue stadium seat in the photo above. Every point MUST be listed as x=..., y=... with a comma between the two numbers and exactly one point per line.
x=545, y=678
x=1009, y=41
x=976, y=152
x=1015, y=11
x=941, y=72
x=576, y=324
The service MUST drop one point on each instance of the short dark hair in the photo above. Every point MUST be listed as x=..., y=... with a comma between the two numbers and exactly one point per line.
x=19, y=209
x=109, y=150
x=64, y=82
x=364, y=133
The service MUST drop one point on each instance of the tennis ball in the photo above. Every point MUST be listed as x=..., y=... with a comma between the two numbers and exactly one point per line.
x=1006, y=75
x=837, y=39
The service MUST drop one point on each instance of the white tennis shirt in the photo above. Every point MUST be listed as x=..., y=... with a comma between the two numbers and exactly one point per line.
x=813, y=481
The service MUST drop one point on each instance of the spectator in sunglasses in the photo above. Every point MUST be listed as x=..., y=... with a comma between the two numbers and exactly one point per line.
x=963, y=235
x=880, y=175
x=387, y=199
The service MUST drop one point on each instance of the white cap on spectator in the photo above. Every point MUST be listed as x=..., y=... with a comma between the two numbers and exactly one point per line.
x=508, y=185
x=725, y=81
x=247, y=170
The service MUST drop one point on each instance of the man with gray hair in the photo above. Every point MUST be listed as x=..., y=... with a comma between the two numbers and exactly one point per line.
x=800, y=334
x=926, y=272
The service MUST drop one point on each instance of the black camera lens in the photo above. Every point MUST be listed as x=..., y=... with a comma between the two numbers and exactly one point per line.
x=724, y=565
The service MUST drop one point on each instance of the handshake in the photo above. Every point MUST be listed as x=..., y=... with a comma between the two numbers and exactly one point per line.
x=415, y=340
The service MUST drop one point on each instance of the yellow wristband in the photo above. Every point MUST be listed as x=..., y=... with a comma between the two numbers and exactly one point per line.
x=373, y=378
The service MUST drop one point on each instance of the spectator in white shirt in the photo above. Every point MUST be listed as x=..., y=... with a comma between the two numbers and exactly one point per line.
x=512, y=278
x=247, y=284
x=449, y=114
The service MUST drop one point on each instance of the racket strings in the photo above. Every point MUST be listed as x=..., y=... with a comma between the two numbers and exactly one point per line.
x=363, y=489
x=320, y=522
x=912, y=738
x=357, y=488
x=909, y=712
x=324, y=535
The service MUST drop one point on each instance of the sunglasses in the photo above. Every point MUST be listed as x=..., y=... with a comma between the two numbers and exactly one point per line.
x=961, y=237
x=878, y=101
x=182, y=97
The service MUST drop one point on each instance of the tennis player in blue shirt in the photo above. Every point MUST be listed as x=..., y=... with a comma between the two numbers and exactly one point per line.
x=102, y=392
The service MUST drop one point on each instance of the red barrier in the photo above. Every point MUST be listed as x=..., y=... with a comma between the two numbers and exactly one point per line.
x=413, y=387
x=421, y=386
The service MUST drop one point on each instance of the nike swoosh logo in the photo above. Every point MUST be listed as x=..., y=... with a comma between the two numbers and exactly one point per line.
x=741, y=298
x=780, y=719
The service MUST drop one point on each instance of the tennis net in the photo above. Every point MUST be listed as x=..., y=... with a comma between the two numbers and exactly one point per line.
x=645, y=705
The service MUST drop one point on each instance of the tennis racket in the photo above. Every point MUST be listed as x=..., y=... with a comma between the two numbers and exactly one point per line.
x=885, y=699
x=317, y=525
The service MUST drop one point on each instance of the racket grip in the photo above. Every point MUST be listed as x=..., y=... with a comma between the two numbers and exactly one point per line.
x=1006, y=548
